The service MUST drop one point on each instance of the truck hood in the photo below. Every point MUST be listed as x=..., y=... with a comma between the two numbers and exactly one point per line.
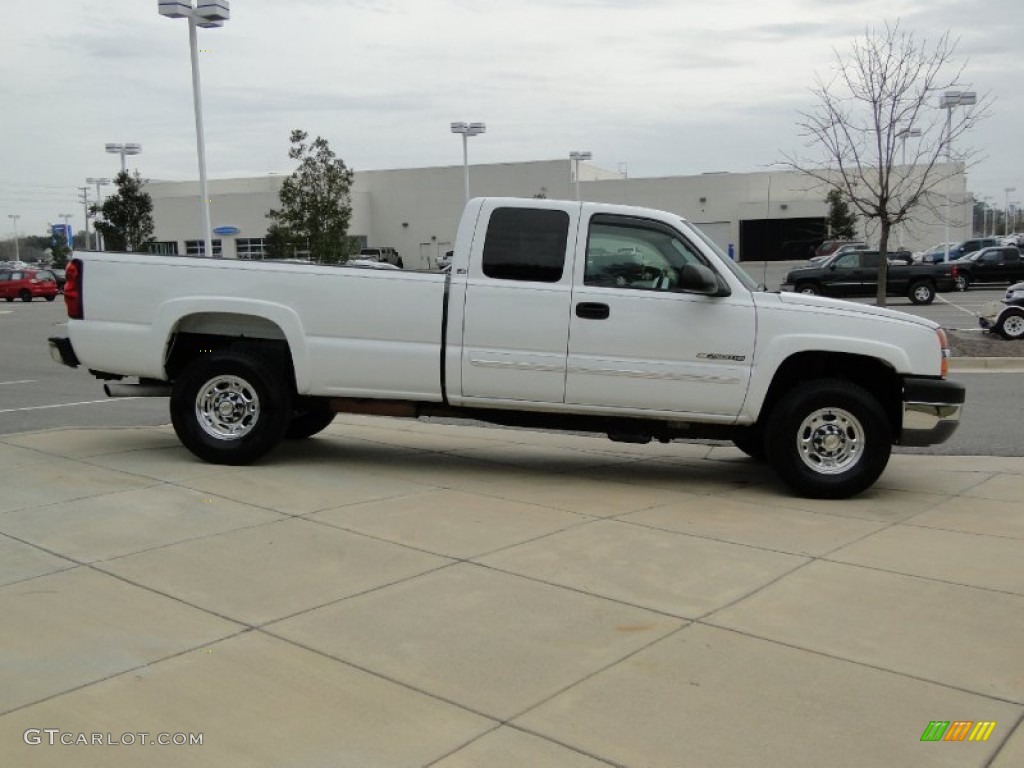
x=838, y=306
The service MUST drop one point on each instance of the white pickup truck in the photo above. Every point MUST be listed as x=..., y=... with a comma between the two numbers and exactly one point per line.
x=564, y=315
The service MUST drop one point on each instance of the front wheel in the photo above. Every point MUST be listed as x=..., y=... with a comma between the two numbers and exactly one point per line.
x=828, y=439
x=1011, y=325
x=809, y=289
x=25, y=295
x=921, y=293
x=231, y=407
x=51, y=298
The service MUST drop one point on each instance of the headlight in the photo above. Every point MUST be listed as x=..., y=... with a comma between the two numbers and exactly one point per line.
x=1014, y=295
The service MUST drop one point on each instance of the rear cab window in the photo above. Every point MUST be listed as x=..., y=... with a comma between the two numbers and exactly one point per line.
x=526, y=244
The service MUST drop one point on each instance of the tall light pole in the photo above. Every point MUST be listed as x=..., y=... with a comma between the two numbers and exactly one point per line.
x=907, y=133
x=122, y=150
x=467, y=130
x=1006, y=211
x=84, y=193
x=576, y=157
x=99, y=199
x=948, y=100
x=207, y=14
x=903, y=135
x=14, y=218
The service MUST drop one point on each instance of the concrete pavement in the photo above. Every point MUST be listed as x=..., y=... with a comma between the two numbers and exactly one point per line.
x=399, y=593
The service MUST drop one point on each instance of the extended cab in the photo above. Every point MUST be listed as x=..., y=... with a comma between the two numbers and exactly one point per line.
x=855, y=273
x=566, y=315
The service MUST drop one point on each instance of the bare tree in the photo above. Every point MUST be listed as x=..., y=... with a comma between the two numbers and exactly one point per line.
x=890, y=85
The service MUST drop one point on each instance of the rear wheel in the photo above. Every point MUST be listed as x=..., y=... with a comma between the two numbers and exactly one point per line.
x=8, y=298
x=25, y=295
x=231, y=407
x=1011, y=324
x=310, y=417
x=828, y=439
x=921, y=293
x=51, y=298
x=962, y=282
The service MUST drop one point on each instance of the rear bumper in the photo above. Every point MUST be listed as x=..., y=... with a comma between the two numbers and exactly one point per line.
x=931, y=411
x=62, y=351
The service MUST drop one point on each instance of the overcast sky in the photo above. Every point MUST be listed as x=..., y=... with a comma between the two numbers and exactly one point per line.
x=666, y=87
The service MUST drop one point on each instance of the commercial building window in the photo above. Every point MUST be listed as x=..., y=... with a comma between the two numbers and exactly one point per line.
x=164, y=247
x=250, y=248
x=198, y=248
x=526, y=244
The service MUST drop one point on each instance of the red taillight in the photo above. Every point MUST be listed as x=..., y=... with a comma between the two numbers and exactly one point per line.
x=73, y=289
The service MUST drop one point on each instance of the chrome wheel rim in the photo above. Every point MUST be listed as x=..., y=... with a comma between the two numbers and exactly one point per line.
x=922, y=292
x=961, y=284
x=227, y=408
x=830, y=441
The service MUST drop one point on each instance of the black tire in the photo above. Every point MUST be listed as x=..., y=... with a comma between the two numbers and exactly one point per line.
x=1010, y=325
x=25, y=295
x=962, y=282
x=828, y=439
x=8, y=298
x=400, y=264
x=51, y=298
x=750, y=440
x=921, y=292
x=811, y=289
x=310, y=416
x=231, y=407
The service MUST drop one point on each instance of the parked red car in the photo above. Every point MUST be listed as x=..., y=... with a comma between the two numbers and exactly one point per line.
x=26, y=284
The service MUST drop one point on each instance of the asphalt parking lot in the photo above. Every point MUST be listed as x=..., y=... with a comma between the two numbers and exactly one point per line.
x=401, y=593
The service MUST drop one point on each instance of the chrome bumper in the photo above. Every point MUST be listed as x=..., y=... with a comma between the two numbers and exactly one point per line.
x=931, y=411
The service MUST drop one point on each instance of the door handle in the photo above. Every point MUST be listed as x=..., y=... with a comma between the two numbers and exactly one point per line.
x=592, y=310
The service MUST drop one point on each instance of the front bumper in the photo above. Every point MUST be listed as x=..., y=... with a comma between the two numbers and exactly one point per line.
x=931, y=411
x=62, y=352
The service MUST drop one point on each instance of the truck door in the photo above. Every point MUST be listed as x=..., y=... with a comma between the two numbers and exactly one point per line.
x=636, y=341
x=518, y=293
x=849, y=276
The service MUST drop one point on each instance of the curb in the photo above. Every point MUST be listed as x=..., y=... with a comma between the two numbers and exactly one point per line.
x=987, y=364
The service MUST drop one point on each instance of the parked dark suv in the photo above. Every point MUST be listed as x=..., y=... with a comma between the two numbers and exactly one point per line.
x=961, y=250
x=1002, y=264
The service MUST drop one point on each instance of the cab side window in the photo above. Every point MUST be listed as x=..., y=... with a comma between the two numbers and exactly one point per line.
x=526, y=244
x=629, y=253
x=848, y=261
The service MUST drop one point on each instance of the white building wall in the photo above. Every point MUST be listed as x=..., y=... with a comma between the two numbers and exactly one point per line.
x=416, y=210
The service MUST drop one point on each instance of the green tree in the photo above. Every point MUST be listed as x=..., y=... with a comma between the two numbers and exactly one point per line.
x=127, y=216
x=316, y=204
x=842, y=223
x=889, y=83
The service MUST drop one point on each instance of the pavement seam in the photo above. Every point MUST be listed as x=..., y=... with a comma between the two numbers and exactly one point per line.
x=1006, y=739
x=865, y=664
x=128, y=671
x=879, y=569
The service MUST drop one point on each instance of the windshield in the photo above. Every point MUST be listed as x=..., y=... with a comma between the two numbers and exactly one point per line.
x=748, y=282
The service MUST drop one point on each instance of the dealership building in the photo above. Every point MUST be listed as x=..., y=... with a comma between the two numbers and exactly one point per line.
x=771, y=215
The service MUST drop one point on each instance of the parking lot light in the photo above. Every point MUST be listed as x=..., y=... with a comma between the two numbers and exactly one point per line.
x=467, y=130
